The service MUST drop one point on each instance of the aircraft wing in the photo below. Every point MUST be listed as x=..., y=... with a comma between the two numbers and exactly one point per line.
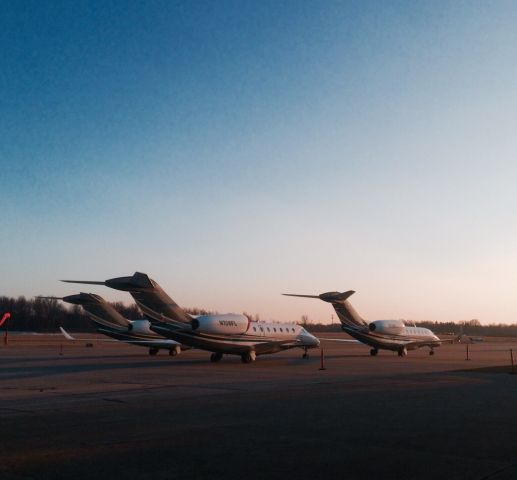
x=71, y=338
x=450, y=340
x=461, y=339
x=112, y=340
x=266, y=346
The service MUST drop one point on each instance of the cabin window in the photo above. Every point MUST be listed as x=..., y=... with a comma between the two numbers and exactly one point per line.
x=274, y=329
x=281, y=330
x=261, y=329
x=268, y=329
x=254, y=329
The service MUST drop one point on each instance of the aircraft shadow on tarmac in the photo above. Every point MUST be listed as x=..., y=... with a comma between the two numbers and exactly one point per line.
x=345, y=355
x=33, y=368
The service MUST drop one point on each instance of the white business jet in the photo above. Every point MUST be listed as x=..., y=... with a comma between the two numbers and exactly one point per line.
x=379, y=334
x=231, y=333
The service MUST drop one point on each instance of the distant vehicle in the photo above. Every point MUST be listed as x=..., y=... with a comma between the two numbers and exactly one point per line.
x=463, y=338
x=379, y=334
x=466, y=339
x=230, y=333
x=112, y=324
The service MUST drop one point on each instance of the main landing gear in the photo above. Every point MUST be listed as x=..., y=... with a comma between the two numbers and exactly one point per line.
x=248, y=357
x=175, y=351
x=305, y=355
x=402, y=352
x=431, y=352
x=153, y=351
x=216, y=357
x=374, y=352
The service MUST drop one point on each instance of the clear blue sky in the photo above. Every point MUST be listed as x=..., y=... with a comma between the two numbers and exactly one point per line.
x=236, y=150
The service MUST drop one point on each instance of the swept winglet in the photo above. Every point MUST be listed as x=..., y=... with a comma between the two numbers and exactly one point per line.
x=66, y=334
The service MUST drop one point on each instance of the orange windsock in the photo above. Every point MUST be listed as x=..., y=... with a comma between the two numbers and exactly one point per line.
x=4, y=318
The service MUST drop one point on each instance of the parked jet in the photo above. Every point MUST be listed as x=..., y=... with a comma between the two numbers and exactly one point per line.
x=112, y=324
x=379, y=334
x=220, y=334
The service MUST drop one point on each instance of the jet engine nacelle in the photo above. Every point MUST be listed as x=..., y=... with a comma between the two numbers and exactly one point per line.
x=230, y=323
x=141, y=326
x=393, y=327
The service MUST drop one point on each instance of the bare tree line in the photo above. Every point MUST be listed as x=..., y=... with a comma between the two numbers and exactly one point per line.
x=47, y=315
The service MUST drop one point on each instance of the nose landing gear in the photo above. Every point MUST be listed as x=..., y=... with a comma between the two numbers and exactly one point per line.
x=216, y=357
x=402, y=352
x=305, y=355
x=374, y=352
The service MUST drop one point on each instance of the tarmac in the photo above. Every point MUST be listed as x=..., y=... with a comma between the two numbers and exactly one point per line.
x=112, y=410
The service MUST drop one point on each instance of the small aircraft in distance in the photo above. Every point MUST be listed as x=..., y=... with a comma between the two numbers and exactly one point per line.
x=229, y=333
x=112, y=324
x=379, y=334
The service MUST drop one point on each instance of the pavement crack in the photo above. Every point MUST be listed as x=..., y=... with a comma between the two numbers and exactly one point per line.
x=115, y=400
x=498, y=471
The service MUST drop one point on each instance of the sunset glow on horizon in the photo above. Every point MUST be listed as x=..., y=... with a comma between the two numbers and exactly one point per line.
x=235, y=151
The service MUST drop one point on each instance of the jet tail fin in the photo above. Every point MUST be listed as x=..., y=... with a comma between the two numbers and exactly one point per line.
x=148, y=295
x=345, y=311
x=99, y=310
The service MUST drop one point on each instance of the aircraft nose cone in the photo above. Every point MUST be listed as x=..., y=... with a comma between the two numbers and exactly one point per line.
x=309, y=340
